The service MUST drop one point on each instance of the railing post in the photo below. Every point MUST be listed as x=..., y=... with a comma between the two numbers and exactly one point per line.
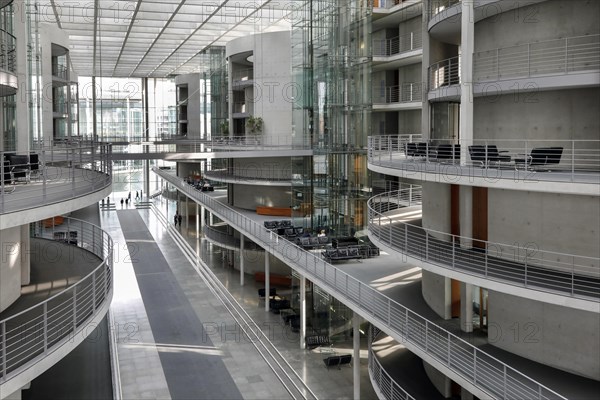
x=474, y=365
x=426, y=336
x=528, y=59
x=74, y=308
x=486, y=261
x=572, y=161
x=45, y=311
x=389, y=312
x=504, y=386
x=94, y=292
x=566, y=55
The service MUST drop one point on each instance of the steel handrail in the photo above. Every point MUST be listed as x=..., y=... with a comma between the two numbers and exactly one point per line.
x=82, y=300
x=417, y=332
x=8, y=55
x=579, y=161
x=397, y=45
x=437, y=6
x=548, y=57
x=405, y=93
x=379, y=375
x=251, y=174
x=444, y=73
x=398, y=236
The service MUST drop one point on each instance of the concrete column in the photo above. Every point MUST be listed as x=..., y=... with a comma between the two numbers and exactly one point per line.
x=267, y=279
x=187, y=213
x=25, y=257
x=242, y=260
x=466, y=307
x=302, y=312
x=356, y=356
x=210, y=219
x=197, y=220
x=465, y=394
x=425, y=62
x=467, y=45
x=466, y=216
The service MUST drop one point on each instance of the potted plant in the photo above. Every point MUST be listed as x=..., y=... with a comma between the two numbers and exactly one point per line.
x=225, y=127
x=254, y=124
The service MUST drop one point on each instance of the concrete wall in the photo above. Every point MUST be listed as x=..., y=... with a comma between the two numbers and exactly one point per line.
x=436, y=207
x=193, y=105
x=436, y=290
x=409, y=122
x=266, y=168
x=559, y=114
x=410, y=73
x=10, y=266
x=553, y=222
x=440, y=381
x=411, y=25
x=557, y=336
x=538, y=22
x=250, y=196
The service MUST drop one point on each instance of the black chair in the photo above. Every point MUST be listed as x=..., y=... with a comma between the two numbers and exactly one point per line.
x=448, y=152
x=487, y=155
x=20, y=167
x=6, y=172
x=542, y=156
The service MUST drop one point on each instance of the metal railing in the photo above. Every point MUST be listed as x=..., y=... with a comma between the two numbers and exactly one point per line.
x=437, y=6
x=250, y=173
x=49, y=175
x=385, y=383
x=420, y=335
x=405, y=93
x=34, y=333
x=549, y=57
x=523, y=160
x=525, y=266
x=444, y=73
x=397, y=45
x=8, y=53
x=387, y=4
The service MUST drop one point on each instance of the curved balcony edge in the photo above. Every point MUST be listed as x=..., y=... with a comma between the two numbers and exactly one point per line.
x=90, y=295
x=377, y=375
x=427, y=340
x=492, y=272
x=8, y=83
x=226, y=177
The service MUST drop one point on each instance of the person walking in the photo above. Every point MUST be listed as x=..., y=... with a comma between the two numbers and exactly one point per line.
x=179, y=218
x=137, y=195
x=176, y=218
x=122, y=201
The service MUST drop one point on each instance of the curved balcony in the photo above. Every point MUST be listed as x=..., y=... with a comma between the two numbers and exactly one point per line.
x=573, y=166
x=569, y=276
x=222, y=239
x=482, y=374
x=52, y=181
x=497, y=71
x=8, y=64
x=33, y=340
x=397, y=51
x=250, y=176
x=384, y=385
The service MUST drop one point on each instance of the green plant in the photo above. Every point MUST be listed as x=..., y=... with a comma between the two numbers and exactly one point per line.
x=254, y=124
x=225, y=127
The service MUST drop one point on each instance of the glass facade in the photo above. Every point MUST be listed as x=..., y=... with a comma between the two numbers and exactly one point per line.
x=331, y=66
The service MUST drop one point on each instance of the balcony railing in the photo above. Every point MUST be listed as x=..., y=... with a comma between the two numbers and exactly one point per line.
x=550, y=57
x=405, y=93
x=444, y=73
x=397, y=45
x=386, y=4
x=52, y=174
x=490, y=375
x=249, y=173
x=579, y=160
x=33, y=334
x=385, y=383
x=8, y=53
x=524, y=266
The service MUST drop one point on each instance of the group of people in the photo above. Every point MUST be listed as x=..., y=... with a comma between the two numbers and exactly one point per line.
x=177, y=219
x=138, y=196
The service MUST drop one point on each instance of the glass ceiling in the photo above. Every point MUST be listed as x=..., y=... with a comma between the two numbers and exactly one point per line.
x=157, y=38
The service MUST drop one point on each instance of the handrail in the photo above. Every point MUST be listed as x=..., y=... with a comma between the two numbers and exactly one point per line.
x=405, y=93
x=523, y=266
x=444, y=73
x=475, y=366
x=379, y=376
x=549, y=57
x=397, y=45
x=59, y=174
x=437, y=6
x=579, y=160
x=249, y=173
x=34, y=333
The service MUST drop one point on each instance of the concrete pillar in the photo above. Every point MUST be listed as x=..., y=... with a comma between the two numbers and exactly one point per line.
x=466, y=307
x=467, y=45
x=356, y=356
x=267, y=279
x=210, y=219
x=466, y=216
x=425, y=63
x=302, y=312
x=242, y=260
x=187, y=213
x=465, y=394
x=197, y=220
x=24, y=253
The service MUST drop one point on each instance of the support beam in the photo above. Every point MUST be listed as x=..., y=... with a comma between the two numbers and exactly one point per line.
x=356, y=355
x=242, y=259
x=197, y=220
x=466, y=307
x=187, y=213
x=302, y=312
x=467, y=46
x=267, y=280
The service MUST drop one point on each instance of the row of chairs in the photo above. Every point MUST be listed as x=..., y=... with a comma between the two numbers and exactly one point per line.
x=15, y=166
